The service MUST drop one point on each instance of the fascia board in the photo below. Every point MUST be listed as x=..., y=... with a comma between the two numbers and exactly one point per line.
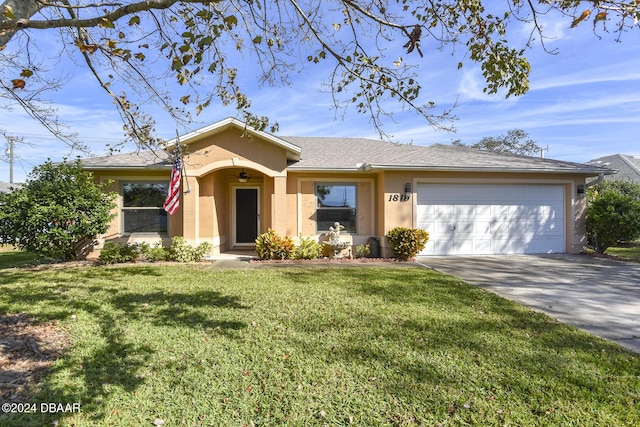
x=589, y=171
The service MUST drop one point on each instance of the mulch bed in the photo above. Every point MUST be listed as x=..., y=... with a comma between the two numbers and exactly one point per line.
x=27, y=350
x=332, y=261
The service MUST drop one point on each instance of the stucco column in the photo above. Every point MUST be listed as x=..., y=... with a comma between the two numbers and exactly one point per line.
x=577, y=231
x=279, y=205
x=190, y=210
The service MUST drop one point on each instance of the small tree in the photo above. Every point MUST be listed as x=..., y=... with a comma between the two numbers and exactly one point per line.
x=516, y=141
x=613, y=214
x=57, y=213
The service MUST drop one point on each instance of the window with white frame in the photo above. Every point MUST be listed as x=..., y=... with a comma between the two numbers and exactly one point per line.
x=142, y=210
x=336, y=202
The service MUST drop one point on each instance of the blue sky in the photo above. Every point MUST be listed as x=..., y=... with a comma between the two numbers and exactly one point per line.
x=583, y=103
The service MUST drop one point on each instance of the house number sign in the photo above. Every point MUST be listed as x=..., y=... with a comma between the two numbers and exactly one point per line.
x=399, y=197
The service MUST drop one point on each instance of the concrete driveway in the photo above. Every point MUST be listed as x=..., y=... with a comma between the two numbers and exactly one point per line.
x=601, y=296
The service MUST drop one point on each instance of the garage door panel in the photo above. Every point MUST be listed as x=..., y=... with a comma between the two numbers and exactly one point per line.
x=440, y=247
x=500, y=229
x=485, y=213
x=524, y=212
x=443, y=211
x=500, y=212
x=464, y=246
x=425, y=210
x=463, y=227
x=471, y=211
x=443, y=228
x=519, y=245
x=482, y=230
x=500, y=247
x=482, y=246
x=491, y=219
x=522, y=228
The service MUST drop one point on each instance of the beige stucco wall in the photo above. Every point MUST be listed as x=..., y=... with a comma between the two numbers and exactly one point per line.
x=229, y=149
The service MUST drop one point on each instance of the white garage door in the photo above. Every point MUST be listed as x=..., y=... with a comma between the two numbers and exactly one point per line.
x=491, y=219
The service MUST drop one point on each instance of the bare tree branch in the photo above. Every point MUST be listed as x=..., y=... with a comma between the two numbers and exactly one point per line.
x=183, y=55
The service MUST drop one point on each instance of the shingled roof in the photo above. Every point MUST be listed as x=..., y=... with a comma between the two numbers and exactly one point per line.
x=158, y=159
x=354, y=154
x=358, y=153
x=628, y=166
x=6, y=187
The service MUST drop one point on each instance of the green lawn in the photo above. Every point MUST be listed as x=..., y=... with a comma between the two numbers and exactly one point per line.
x=289, y=346
x=9, y=257
x=629, y=251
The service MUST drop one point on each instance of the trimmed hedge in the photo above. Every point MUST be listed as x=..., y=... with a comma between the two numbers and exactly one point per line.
x=407, y=242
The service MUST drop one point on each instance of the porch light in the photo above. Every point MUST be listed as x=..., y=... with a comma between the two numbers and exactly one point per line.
x=407, y=190
x=580, y=190
x=243, y=176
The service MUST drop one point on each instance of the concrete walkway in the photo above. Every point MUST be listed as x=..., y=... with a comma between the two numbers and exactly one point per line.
x=601, y=296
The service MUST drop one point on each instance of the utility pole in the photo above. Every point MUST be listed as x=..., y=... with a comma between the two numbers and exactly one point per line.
x=542, y=150
x=11, y=147
x=10, y=153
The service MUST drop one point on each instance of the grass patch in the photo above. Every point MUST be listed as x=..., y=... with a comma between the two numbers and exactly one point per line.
x=10, y=258
x=288, y=346
x=628, y=251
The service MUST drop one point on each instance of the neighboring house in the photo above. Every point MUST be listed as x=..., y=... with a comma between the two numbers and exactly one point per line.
x=239, y=183
x=6, y=187
x=627, y=167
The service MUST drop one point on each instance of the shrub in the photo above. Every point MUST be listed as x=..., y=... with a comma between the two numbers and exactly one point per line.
x=270, y=245
x=308, y=249
x=58, y=213
x=153, y=253
x=180, y=251
x=613, y=214
x=129, y=253
x=113, y=253
x=407, y=242
x=363, y=250
x=110, y=253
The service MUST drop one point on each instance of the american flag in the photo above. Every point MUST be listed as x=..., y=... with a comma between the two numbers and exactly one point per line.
x=172, y=202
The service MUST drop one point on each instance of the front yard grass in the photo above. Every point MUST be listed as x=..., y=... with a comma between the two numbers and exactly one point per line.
x=290, y=346
x=627, y=251
x=9, y=257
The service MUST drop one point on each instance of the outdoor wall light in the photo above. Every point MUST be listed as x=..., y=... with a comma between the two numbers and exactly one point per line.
x=243, y=176
x=407, y=189
x=580, y=190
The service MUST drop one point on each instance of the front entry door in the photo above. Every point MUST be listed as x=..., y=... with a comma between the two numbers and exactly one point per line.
x=247, y=216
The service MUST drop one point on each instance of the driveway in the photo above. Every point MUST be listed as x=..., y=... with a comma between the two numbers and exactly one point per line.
x=601, y=296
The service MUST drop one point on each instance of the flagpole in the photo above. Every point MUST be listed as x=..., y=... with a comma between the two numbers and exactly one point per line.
x=184, y=169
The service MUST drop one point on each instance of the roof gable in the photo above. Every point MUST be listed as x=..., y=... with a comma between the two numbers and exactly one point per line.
x=627, y=166
x=293, y=151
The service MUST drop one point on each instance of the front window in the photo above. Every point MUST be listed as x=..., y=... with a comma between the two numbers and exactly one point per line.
x=336, y=203
x=142, y=210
